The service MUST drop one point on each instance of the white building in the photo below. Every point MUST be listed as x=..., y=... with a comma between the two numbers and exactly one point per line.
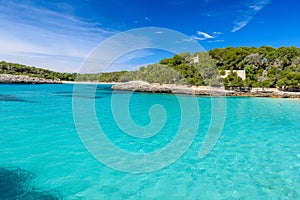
x=196, y=59
x=240, y=73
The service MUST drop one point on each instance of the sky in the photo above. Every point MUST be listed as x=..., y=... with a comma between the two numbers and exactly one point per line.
x=60, y=35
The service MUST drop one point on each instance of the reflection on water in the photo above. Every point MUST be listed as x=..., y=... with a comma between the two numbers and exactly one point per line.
x=15, y=184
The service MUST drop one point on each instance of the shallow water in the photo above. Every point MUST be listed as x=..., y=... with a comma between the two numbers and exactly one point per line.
x=42, y=156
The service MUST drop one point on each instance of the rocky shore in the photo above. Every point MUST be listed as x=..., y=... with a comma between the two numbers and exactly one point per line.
x=9, y=78
x=142, y=86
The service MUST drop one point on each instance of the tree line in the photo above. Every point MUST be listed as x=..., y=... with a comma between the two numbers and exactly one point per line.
x=264, y=66
x=19, y=69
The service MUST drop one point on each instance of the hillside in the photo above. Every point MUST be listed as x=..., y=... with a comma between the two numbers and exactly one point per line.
x=264, y=67
x=19, y=69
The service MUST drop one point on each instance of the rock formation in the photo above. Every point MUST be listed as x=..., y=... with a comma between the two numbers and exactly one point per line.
x=9, y=78
x=142, y=86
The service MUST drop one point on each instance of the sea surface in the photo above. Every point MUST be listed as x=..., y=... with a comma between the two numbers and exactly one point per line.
x=42, y=155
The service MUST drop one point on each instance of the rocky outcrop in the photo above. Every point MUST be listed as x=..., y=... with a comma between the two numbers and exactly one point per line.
x=142, y=86
x=9, y=78
x=263, y=92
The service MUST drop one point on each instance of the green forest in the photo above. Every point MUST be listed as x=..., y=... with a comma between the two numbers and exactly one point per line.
x=19, y=69
x=265, y=67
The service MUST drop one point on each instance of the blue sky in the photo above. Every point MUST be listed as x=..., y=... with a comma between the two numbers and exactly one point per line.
x=59, y=35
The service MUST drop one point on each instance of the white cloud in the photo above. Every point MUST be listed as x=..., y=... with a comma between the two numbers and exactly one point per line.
x=215, y=41
x=205, y=36
x=257, y=6
x=188, y=39
x=241, y=24
x=124, y=59
x=196, y=38
x=202, y=36
x=247, y=13
x=46, y=38
x=217, y=33
x=147, y=19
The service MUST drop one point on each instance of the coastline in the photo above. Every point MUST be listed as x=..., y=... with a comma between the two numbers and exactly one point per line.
x=88, y=82
x=142, y=86
x=24, y=79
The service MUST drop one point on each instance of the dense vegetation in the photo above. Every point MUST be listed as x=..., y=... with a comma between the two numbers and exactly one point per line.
x=101, y=77
x=264, y=67
x=19, y=69
x=178, y=69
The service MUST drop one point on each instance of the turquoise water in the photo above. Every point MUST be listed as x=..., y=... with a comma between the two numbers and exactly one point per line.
x=42, y=156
